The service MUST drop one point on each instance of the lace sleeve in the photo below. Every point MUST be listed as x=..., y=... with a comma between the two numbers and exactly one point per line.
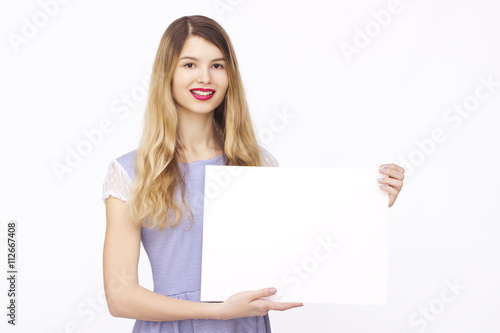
x=117, y=183
x=267, y=158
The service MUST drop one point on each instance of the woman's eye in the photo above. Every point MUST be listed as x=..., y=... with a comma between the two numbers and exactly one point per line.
x=220, y=66
x=190, y=65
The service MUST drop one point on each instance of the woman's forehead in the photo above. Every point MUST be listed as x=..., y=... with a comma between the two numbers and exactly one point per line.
x=198, y=48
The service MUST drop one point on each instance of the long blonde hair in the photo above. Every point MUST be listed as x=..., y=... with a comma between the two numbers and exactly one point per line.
x=158, y=176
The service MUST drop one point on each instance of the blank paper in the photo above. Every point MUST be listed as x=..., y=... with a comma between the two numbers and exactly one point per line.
x=319, y=235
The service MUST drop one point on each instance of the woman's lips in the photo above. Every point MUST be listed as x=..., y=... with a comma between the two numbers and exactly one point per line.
x=202, y=94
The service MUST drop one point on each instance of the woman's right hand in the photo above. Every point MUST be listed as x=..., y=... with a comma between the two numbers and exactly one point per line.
x=249, y=304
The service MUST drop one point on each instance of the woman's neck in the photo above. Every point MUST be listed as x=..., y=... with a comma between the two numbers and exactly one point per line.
x=198, y=137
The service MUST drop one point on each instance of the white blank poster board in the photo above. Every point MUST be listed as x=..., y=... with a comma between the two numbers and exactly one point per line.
x=319, y=235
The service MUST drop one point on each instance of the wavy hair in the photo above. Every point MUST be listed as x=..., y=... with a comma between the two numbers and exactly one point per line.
x=158, y=177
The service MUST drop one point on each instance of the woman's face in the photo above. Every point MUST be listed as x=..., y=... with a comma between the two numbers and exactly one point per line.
x=200, y=78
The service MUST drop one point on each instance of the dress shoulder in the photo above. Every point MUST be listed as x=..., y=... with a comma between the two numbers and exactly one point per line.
x=118, y=179
x=267, y=158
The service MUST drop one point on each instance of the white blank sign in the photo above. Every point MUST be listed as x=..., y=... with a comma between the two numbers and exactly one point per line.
x=319, y=235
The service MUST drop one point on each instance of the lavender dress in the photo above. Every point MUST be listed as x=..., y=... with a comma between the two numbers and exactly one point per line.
x=175, y=254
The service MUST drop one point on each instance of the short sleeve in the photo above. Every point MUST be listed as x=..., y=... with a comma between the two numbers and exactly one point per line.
x=117, y=182
x=267, y=158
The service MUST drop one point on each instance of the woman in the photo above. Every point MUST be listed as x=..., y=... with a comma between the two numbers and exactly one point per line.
x=196, y=115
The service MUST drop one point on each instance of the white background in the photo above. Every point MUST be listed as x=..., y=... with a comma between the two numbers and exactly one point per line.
x=78, y=67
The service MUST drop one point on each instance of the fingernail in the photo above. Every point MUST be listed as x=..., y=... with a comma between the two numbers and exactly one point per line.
x=384, y=166
x=380, y=179
x=382, y=186
x=272, y=291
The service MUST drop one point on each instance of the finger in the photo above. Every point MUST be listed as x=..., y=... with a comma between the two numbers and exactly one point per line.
x=400, y=169
x=282, y=306
x=398, y=184
x=262, y=293
x=389, y=189
x=392, y=173
x=393, y=166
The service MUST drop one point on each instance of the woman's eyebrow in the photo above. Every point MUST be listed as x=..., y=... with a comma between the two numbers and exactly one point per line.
x=194, y=58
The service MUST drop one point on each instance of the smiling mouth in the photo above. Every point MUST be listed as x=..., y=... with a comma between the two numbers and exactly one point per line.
x=202, y=93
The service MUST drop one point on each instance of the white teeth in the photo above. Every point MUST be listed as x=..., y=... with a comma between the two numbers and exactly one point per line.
x=202, y=93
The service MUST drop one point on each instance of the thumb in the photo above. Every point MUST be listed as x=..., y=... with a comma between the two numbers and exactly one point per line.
x=264, y=292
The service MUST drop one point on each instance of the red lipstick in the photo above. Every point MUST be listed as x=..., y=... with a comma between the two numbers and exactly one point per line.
x=203, y=94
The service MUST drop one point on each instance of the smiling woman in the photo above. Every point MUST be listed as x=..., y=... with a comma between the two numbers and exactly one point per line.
x=200, y=73
x=196, y=116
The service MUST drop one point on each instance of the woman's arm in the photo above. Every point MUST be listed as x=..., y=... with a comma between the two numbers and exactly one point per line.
x=126, y=298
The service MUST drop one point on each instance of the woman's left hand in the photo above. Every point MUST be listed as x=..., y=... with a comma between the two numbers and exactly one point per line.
x=394, y=182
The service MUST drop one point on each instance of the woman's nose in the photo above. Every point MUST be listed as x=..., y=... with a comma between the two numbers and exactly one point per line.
x=204, y=75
